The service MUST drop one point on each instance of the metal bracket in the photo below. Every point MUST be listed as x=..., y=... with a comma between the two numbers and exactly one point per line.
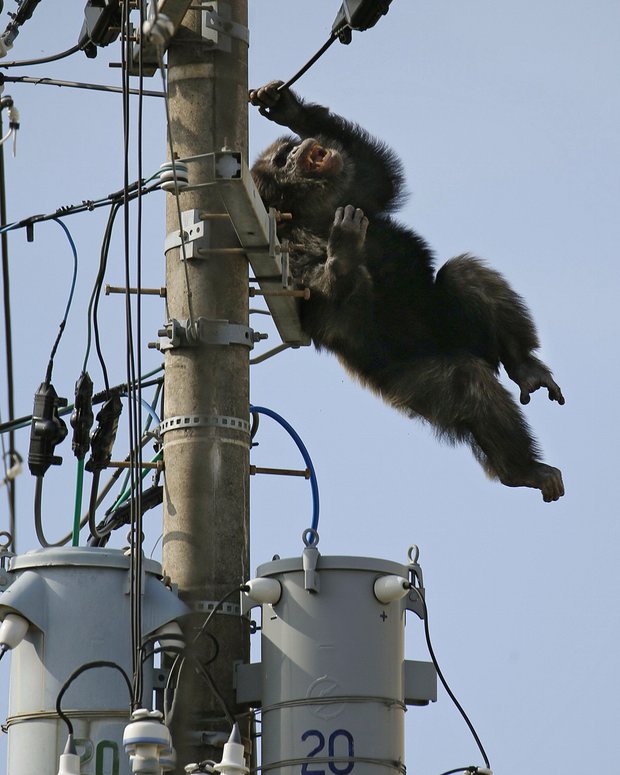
x=180, y=333
x=217, y=28
x=203, y=421
x=195, y=235
x=227, y=173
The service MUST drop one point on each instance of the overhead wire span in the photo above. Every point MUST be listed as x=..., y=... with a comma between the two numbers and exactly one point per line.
x=44, y=60
x=8, y=343
x=76, y=85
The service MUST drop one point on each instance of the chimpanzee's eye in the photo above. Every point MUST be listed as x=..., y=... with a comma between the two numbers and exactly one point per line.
x=282, y=155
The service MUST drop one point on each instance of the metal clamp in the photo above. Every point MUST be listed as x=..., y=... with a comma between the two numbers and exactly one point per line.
x=180, y=333
x=206, y=606
x=194, y=235
x=204, y=421
x=218, y=29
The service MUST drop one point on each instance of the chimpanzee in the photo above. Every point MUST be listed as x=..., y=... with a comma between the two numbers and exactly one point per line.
x=429, y=343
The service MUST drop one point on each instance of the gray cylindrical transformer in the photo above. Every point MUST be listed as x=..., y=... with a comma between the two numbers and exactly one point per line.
x=333, y=673
x=76, y=601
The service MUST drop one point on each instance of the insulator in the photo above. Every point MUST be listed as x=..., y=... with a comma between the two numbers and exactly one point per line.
x=169, y=171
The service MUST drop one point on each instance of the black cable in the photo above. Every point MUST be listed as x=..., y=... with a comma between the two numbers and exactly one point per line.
x=180, y=659
x=75, y=674
x=332, y=38
x=76, y=85
x=93, y=304
x=134, y=410
x=471, y=769
x=216, y=607
x=45, y=60
x=38, y=517
x=63, y=322
x=202, y=671
x=8, y=343
x=451, y=695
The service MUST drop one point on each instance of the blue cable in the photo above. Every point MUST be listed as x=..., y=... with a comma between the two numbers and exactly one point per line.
x=304, y=452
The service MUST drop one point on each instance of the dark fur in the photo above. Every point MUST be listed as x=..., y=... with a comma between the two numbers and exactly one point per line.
x=429, y=344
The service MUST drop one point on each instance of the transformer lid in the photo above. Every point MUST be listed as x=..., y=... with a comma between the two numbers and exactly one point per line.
x=370, y=564
x=87, y=556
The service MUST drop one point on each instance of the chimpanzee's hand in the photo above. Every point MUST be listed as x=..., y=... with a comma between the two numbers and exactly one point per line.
x=283, y=107
x=346, y=239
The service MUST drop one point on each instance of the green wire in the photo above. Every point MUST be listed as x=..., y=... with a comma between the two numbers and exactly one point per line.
x=77, y=514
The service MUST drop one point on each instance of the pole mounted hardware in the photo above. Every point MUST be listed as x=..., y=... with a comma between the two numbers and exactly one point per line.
x=181, y=333
x=218, y=30
x=256, y=231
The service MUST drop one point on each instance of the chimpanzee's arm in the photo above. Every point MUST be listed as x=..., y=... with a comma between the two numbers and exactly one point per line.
x=376, y=167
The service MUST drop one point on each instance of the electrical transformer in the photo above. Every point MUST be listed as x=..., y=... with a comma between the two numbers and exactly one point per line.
x=76, y=605
x=332, y=682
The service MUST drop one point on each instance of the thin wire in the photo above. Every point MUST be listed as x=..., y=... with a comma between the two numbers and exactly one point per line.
x=63, y=322
x=180, y=659
x=76, y=85
x=449, y=691
x=8, y=343
x=38, y=517
x=44, y=60
x=84, y=206
x=78, y=672
x=93, y=305
x=134, y=416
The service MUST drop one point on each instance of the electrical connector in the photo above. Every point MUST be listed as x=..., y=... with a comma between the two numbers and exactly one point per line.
x=358, y=15
x=47, y=430
x=103, y=438
x=82, y=417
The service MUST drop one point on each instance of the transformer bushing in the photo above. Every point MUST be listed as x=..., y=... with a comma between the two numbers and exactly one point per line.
x=333, y=683
x=76, y=601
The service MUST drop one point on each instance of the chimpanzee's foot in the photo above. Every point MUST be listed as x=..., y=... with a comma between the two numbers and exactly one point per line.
x=541, y=477
x=531, y=374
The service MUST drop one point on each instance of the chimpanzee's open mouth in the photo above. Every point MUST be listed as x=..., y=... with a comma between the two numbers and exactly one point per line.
x=320, y=161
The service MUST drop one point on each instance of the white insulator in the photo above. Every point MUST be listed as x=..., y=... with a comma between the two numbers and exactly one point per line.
x=169, y=637
x=483, y=771
x=145, y=738
x=158, y=30
x=13, y=630
x=233, y=758
x=168, y=760
x=390, y=588
x=69, y=760
x=174, y=178
x=264, y=590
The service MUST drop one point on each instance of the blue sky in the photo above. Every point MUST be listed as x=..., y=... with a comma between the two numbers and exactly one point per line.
x=506, y=119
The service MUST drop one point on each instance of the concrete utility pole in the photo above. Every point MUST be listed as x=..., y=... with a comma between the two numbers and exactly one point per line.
x=206, y=504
